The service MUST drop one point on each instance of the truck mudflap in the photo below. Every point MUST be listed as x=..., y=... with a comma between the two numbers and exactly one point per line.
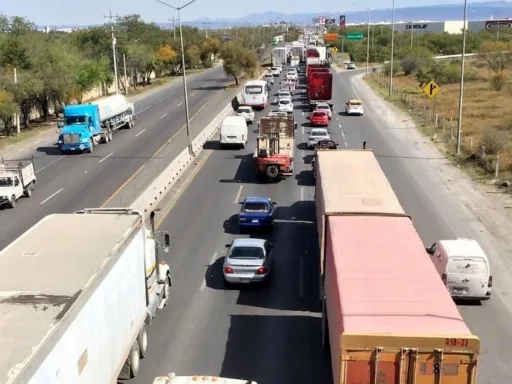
x=386, y=359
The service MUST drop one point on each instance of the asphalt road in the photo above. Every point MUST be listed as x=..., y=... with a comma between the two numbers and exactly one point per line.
x=268, y=334
x=272, y=334
x=68, y=183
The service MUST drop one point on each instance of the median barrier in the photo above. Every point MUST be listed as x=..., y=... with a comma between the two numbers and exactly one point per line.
x=155, y=192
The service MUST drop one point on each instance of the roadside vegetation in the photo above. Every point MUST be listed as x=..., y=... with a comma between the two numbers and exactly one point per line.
x=487, y=118
x=59, y=67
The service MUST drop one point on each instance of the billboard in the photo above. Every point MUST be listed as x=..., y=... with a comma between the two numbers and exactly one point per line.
x=416, y=26
x=330, y=20
x=321, y=20
x=342, y=22
x=330, y=37
x=495, y=24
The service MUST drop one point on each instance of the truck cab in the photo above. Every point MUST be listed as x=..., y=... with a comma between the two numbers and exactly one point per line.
x=16, y=180
x=80, y=127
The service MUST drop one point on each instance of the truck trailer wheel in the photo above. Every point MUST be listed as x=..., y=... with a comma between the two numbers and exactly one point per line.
x=12, y=202
x=28, y=190
x=91, y=146
x=272, y=171
x=143, y=341
x=132, y=364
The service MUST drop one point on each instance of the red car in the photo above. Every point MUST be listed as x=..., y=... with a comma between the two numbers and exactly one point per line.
x=319, y=119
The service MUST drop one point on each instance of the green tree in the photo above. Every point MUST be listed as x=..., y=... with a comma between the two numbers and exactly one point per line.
x=7, y=109
x=238, y=60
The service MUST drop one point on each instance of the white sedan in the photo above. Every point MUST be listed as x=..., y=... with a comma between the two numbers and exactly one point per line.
x=285, y=105
x=316, y=135
x=283, y=95
x=292, y=75
x=324, y=107
x=246, y=112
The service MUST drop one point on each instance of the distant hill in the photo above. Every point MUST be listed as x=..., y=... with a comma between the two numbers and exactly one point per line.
x=476, y=11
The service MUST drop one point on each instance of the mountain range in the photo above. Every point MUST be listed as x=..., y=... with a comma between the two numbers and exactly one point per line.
x=448, y=12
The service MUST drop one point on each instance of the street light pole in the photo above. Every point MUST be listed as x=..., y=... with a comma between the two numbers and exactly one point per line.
x=191, y=150
x=392, y=62
x=368, y=44
x=461, y=87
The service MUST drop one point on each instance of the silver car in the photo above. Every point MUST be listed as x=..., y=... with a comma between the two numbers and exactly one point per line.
x=248, y=260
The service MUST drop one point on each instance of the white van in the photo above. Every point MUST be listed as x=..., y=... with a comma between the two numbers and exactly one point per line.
x=233, y=132
x=463, y=267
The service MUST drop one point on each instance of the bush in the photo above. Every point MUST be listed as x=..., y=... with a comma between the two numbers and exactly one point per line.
x=387, y=68
x=494, y=140
x=498, y=81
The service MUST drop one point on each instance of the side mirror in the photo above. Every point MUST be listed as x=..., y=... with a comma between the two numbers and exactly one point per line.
x=429, y=251
x=167, y=240
x=228, y=245
x=274, y=203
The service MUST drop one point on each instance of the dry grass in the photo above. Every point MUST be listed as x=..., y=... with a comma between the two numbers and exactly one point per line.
x=487, y=113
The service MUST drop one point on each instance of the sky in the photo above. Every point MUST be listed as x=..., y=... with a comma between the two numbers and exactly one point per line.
x=87, y=12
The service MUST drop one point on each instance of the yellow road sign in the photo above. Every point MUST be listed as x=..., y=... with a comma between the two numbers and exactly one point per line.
x=431, y=89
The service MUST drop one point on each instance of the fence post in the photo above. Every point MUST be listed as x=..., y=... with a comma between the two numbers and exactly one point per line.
x=424, y=111
x=451, y=131
x=471, y=143
x=443, y=125
x=436, y=120
x=497, y=169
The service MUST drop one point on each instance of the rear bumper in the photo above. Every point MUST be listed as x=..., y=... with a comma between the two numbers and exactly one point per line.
x=234, y=278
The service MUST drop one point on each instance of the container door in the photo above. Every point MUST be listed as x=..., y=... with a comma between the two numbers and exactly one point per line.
x=437, y=367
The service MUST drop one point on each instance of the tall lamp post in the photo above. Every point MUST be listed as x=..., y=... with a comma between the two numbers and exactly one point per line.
x=191, y=150
x=367, y=39
x=461, y=87
x=392, y=62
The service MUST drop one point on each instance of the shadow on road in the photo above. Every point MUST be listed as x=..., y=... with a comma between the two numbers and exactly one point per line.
x=50, y=151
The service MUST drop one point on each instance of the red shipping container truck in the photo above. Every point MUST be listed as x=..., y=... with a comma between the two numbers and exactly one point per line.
x=387, y=316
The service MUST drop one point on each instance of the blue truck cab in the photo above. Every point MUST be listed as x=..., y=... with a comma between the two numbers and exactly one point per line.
x=256, y=212
x=81, y=128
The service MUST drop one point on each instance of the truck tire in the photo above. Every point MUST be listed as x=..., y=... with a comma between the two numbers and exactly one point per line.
x=132, y=364
x=272, y=171
x=142, y=339
x=110, y=134
x=28, y=190
x=12, y=202
x=91, y=146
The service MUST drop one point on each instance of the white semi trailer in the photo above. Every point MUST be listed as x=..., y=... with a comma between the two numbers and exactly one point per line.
x=77, y=292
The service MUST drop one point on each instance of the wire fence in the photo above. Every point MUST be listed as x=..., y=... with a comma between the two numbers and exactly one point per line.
x=443, y=128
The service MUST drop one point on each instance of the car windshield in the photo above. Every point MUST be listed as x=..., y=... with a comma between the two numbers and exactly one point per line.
x=72, y=120
x=284, y=94
x=241, y=252
x=243, y=110
x=5, y=182
x=253, y=89
x=323, y=107
x=254, y=206
x=355, y=103
x=285, y=102
x=318, y=133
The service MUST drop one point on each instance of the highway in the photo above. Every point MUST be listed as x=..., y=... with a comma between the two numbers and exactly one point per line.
x=272, y=334
x=71, y=182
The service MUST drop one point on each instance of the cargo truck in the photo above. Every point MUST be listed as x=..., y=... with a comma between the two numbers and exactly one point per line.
x=320, y=89
x=273, y=156
x=312, y=56
x=171, y=378
x=17, y=179
x=386, y=315
x=279, y=56
x=86, y=125
x=77, y=293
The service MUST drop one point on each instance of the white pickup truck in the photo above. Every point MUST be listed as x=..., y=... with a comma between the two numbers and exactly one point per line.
x=17, y=179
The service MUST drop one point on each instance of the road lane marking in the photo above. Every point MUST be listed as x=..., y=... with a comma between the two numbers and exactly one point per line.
x=192, y=94
x=344, y=139
x=301, y=193
x=238, y=194
x=165, y=114
x=301, y=278
x=49, y=165
x=142, y=110
x=105, y=158
x=302, y=129
x=51, y=196
x=340, y=126
x=180, y=104
x=212, y=260
x=140, y=133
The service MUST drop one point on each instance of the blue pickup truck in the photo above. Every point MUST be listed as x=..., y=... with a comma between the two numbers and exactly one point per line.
x=86, y=125
x=256, y=212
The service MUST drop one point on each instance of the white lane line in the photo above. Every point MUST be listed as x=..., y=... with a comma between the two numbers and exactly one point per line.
x=238, y=194
x=301, y=278
x=214, y=257
x=192, y=94
x=302, y=129
x=105, y=158
x=165, y=114
x=142, y=110
x=344, y=139
x=301, y=193
x=51, y=196
x=140, y=133
x=49, y=165
x=179, y=104
x=339, y=125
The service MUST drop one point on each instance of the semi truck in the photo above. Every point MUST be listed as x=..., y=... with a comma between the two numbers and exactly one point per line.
x=312, y=56
x=278, y=56
x=273, y=156
x=171, y=378
x=17, y=179
x=77, y=293
x=86, y=125
x=386, y=315
x=319, y=89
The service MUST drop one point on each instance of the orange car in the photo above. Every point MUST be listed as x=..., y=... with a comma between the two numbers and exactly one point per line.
x=319, y=119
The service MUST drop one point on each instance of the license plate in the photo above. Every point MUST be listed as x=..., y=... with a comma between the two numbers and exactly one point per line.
x=255, y=221
x=245, y=280
x=72, y=148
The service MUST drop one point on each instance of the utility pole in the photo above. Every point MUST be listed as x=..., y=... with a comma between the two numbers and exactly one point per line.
x=17, y=114
x=206, y=27
x=173, y=21
x=114, y=42
x=412, y=32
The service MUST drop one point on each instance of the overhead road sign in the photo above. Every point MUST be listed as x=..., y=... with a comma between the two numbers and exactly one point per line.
x=355, y=36
x=431, y=89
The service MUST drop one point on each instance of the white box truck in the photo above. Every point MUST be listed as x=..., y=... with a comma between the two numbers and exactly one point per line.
x=17, y=179
x=76, y=294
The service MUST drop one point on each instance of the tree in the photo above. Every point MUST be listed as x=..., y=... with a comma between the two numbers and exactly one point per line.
x=7, y=109
x=89, y=74
x=166, y=58
x=414, y=59
x=497, y=55
x=238, y=60
x=192, y=56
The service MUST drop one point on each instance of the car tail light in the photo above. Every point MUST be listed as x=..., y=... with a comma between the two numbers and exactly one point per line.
x=443, y=278
x=489, y=283
x=261, y=271
x=228, y=270
x=243, y=137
